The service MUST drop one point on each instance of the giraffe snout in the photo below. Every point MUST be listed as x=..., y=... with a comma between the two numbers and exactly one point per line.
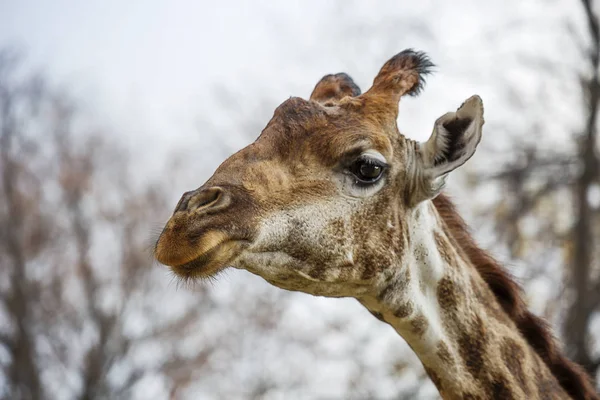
x=209, y=227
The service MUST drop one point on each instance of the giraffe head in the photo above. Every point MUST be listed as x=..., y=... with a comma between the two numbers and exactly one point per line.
x=319, y=202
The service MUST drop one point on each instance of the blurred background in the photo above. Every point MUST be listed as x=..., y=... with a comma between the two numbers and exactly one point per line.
x=110, y=110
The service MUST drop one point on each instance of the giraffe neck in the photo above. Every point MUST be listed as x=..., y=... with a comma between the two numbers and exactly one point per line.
x=437, y=301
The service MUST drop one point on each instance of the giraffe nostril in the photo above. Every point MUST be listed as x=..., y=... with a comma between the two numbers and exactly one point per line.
x=204, y=199
x=183, y=202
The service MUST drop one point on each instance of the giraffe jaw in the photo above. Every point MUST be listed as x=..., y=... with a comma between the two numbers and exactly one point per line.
x=211, y=261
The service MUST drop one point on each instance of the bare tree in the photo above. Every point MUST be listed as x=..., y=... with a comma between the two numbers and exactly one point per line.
x=586, y=289
x=539, y=183
x=75, y=264
x=23, y=371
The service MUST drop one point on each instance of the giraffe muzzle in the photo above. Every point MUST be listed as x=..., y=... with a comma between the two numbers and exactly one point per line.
x=208, y=229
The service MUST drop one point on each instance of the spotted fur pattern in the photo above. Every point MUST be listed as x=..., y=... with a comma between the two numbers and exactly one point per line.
x=290, y=209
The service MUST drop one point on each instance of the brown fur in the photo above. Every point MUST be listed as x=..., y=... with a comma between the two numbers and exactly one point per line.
x=332, y=88
x=444, y=353
x=570, y=376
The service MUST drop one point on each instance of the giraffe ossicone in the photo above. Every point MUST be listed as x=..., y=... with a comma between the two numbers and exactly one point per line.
x=332, y=200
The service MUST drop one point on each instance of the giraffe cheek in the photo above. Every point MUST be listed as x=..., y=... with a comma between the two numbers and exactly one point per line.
x=312, y=244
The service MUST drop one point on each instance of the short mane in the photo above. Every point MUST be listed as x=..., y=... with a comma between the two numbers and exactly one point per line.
x=536, y=332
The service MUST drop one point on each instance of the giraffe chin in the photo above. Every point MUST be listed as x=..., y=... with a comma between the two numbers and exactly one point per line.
x=211, y=261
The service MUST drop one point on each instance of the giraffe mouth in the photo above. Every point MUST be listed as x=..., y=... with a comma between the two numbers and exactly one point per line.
x=211, y=261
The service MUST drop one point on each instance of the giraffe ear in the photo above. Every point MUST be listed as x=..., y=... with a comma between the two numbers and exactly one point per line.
x=453, y=141
x=403, y=74
x=332, y=88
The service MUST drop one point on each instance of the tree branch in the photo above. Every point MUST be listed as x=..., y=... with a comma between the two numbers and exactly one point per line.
x=576, y=328
x=24, y=370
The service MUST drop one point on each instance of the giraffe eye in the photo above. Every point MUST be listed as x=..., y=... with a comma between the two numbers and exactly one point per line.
x=367, y=170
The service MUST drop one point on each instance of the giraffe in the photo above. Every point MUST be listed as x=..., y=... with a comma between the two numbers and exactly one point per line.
x=332, y=200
